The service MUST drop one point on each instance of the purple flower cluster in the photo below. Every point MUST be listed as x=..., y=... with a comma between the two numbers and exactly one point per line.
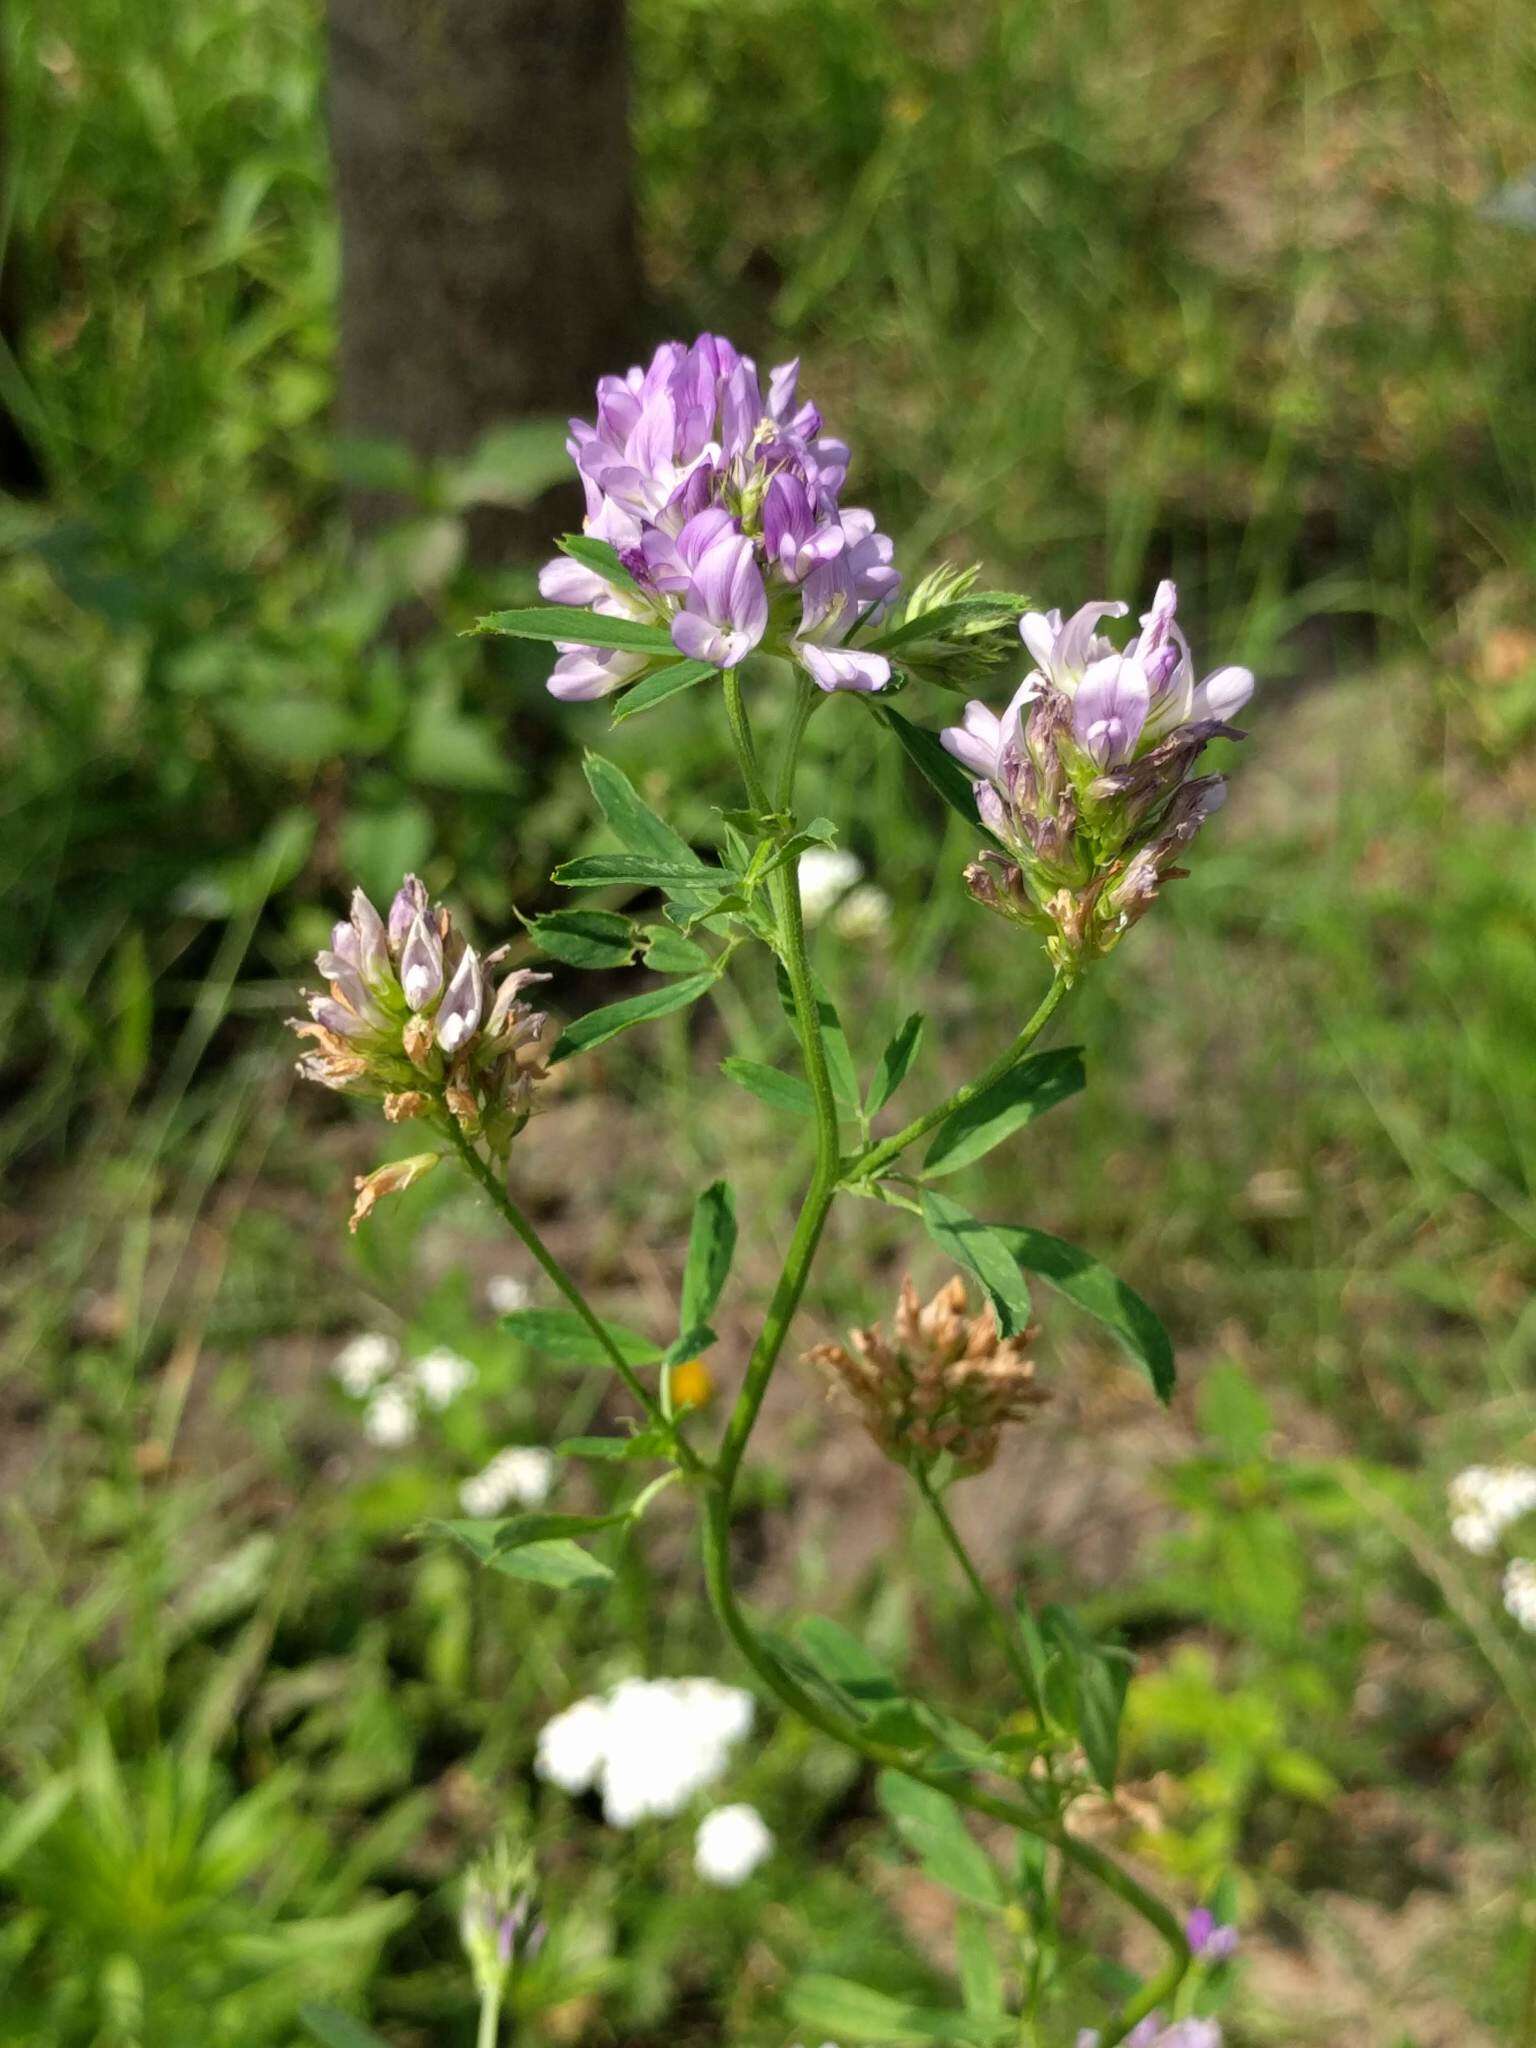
x=1085, y=780
x=722, y=505
x=410, y=1018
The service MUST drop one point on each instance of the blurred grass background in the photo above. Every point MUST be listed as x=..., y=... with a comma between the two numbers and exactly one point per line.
x=1097, y=294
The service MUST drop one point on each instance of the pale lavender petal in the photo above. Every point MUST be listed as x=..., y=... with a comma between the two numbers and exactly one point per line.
x=344, y=941
x=1040, y=631
x=699, y=638
x=410, y=900
x=1223, y=693
x=337, y=1017
x=1075, y=644
x=563, y=581
x=372, y=941
x=584, y=673
x=458, y=1018
x=421, y=963
x=976, y=742
x=844, y=668
x=1110, y=709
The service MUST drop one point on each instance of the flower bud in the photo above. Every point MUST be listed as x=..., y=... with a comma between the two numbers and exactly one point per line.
x=421, y=963
x=458, y=1017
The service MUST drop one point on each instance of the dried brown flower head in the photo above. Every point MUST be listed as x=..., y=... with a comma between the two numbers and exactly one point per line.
x=944, y=1381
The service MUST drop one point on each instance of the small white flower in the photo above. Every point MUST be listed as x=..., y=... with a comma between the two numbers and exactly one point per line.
x=1485, y=1499
x=573, y=1745
x=363, y=1361
x=441, y=1376
x=505, y=1294
x=389, y=1420
x=864, y=914
x=522, y=1475
x=827, y=873
x=1520, y=1592
x=731, y=1843
x=650, y=1746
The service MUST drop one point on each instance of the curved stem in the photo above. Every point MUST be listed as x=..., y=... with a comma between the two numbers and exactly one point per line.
x=784, y=894
x=997, y=1620
x=870, y=1161
x=996, y=1806
x=785, y=897
x=806, y=701
x=501, y=1197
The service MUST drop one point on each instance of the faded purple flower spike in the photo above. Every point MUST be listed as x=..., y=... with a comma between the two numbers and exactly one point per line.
x=721, y=505
x=1085, y=779
x=420, y=1050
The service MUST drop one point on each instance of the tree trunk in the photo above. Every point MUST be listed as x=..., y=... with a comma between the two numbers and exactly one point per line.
x=20, y=471
x=489, y=269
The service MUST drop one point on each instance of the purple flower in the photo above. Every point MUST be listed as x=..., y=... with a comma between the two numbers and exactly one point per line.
x=721, y=504
x=1084, y=780
x=1209, y=1940
x=725, y=607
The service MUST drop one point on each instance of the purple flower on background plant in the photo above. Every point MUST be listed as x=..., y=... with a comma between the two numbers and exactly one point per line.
x=1151, y=2033
x=1209, y=1940
x=722, y=506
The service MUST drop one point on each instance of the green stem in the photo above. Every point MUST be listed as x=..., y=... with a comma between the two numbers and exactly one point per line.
x=785, y=897
x=997, y=1620
x=784, y=894
x=806, y=701
x=490, y=2018
x=501, y=1198
x=864, y=1165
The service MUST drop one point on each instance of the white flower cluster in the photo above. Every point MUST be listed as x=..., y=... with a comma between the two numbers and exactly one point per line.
x=647, y=1746
x=1520, y=1592
x=520, y=1476
x=368, y=1368
x=731, y=1843
x=1485, y=1499
x=831, y=884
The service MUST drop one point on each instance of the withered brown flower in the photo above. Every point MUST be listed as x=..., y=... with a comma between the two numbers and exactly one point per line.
x=943, y=1382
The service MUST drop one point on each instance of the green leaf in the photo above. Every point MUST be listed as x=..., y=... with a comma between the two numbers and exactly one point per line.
x=560, y=1333
x=930, y=1824
x=598, y=1026
x=668, y=952
x=582, y=627
x=1024, y=1092
x=602, y=558
x=630, y=818
x=837, y=2006
x=843, y=1660
x=779, y=1090
x=981, y=1976
x=339, y=2029
x=645, y=1443
x=845, y=1082
x=548, y=1561
x=981, y=608
x=656, y=688
x=561, y=1565
x=585, y=938
x=490, y=1539
x=638, y=870
x=982, y=1250
x=1097, y=1676
x=924, y=750
x=1096, y=1290
x=894, y=1063
x=711, y=1247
